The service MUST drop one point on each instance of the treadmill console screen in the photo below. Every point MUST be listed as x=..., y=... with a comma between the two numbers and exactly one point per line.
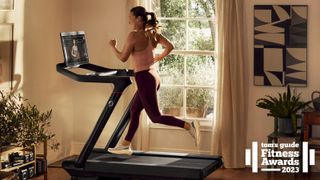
x=74, y=48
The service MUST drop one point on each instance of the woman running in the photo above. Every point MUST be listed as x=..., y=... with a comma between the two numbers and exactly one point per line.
x=140, y=45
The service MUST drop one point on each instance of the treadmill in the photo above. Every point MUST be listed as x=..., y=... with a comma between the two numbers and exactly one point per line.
x=94, y=163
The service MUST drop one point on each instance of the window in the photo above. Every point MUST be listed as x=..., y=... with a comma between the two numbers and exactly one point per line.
x=188, y=73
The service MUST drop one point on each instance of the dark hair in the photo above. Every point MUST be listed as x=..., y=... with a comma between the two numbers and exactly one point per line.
x=141, y=11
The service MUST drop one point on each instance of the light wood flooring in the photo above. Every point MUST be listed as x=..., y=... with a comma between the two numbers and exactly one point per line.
x=220, y=174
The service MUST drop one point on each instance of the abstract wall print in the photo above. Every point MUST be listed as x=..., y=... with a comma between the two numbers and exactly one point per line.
x=6, y=56
x=6, y=4
x=280, y=45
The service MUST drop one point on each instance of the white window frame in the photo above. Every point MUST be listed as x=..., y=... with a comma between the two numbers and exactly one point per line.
x=206, y=124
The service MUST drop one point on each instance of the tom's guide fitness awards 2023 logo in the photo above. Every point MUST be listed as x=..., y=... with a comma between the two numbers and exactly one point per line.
x=280, y=157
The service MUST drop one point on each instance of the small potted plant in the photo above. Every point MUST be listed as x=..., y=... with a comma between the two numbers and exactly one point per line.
x=171, y=101
x=284, y=108
x=199, y=101
x=22, y=124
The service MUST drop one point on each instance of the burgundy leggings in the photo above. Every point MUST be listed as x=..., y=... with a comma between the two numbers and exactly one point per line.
x=148, y=82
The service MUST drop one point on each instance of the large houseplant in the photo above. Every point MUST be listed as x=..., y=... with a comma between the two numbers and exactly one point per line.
x=284, y=108
x=22, y=124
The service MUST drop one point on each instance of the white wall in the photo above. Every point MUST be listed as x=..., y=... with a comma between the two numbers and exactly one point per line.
x=259, y=125
x=76, y=106
x=37, y=51
x=102, y=21
x=42, y=85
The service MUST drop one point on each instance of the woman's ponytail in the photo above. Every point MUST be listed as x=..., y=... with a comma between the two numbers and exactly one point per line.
x=149, y=19
x=152, y=22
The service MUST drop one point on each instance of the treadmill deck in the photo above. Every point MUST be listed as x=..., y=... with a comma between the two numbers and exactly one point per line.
x=148, y=164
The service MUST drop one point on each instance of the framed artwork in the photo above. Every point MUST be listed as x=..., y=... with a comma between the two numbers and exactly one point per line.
x=6, y=4
x=6, y=56
x=280, y=45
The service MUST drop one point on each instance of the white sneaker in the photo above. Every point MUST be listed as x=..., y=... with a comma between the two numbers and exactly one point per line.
x=194, y=131
x=121, y=150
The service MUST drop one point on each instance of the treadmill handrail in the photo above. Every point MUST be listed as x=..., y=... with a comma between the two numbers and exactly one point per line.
x=121, y=74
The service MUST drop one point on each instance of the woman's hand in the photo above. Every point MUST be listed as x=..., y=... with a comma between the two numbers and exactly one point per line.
x=113, y=43
x=127, y=48
x=157, y=58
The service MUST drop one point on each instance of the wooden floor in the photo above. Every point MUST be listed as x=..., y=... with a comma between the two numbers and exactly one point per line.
x=220, y=174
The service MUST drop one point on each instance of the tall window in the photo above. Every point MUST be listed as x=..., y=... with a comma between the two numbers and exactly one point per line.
x=188, y=73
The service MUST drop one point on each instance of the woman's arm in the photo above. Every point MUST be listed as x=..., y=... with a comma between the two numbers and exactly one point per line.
x=127, y=48
x=168, y=47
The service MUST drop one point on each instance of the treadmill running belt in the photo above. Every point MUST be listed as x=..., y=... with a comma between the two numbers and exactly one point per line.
x=164, y=167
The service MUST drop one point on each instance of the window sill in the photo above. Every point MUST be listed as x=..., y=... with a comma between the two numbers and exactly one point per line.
x=205, y=127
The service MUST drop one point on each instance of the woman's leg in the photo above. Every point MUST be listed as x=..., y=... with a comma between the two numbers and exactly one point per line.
x=148, y=82
x=146, y=97
x=135, y=112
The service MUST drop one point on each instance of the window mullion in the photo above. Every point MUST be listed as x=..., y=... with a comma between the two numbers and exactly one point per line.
x=194, y=52
x=185, y=63
x=190, y=52
x=187, y=10
x=183, y=18
x=188, y=86
x=184, y=87
x=187, y=27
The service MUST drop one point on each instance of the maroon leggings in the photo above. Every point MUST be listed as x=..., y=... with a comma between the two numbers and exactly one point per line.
x=148, y=82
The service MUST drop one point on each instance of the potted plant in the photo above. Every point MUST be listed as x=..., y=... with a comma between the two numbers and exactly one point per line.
x=171, y=101
x=22, y=124
x=199, y=100
x=284, y=108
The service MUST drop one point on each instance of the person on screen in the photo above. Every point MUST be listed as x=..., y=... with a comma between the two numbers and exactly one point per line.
x=74, y=50
x=140, y=45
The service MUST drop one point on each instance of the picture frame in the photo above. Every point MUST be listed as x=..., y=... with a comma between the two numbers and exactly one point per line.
x=6, y=4
x=6, y=56
x=280, y=45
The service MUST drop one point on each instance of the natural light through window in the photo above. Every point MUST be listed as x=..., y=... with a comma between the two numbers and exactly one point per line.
x=188, y=73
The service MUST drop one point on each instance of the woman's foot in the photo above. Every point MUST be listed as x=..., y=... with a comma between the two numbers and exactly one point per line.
x=121, y=149
x=194, y=131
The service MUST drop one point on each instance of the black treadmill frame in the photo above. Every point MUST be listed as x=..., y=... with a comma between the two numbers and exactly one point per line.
x=121, y=80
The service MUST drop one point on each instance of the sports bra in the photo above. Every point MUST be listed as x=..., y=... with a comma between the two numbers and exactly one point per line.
x=143, y=59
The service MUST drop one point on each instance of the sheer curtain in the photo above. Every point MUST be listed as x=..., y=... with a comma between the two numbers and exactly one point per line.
x=229, y=131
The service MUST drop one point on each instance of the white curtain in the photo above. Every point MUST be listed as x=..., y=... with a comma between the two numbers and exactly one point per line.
x=229, y=131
